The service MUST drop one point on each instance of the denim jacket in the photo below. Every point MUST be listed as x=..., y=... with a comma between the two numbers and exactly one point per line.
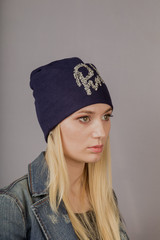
x=25, y=212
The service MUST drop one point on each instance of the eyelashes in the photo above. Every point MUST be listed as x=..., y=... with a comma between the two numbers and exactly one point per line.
x=86, y=119
x=106, y=117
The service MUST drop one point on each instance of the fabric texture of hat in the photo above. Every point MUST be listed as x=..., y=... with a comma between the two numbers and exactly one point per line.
x=62, y=87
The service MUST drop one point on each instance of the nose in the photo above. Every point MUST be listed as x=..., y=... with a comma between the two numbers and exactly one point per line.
x=100, y=129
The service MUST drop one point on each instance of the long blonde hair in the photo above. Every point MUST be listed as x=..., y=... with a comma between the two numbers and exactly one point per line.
x=97, y=181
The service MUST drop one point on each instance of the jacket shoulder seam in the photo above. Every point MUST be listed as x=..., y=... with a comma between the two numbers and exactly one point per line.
x=17, y=203
x=10, y=186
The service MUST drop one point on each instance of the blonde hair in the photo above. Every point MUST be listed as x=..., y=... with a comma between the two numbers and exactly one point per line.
x=97, y=182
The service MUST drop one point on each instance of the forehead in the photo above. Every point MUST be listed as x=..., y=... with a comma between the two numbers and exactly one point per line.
x=98, y=107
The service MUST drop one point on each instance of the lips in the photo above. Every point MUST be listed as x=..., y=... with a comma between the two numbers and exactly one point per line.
x=96, y=148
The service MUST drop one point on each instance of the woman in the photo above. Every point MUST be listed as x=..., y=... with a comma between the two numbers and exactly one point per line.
x=67, y=193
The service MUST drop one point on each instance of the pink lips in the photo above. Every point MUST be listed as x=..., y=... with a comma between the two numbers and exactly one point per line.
x=96, y=149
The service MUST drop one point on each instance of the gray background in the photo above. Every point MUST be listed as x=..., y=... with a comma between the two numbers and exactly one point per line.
x=122, y=38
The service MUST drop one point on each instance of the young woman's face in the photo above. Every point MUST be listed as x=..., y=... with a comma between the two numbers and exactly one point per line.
x=84, y=133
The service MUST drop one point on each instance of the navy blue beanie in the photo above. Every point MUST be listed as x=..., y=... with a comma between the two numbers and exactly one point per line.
x=62, y=87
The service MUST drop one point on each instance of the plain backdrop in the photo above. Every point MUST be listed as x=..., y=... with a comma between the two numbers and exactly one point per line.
x=122, y=38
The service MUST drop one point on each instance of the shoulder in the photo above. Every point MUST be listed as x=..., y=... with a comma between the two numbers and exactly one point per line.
x=14, y=200
x=17, y=194
x=17, y=184
x=30, y=185
x=33, y=183
x=18, y=198
x=23, y=192
x=16, y=188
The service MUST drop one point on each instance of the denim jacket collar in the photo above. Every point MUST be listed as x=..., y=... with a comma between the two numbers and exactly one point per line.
x=38, y=176
x=53, y=225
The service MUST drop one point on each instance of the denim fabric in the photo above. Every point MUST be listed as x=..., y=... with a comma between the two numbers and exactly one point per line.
x=25, y=211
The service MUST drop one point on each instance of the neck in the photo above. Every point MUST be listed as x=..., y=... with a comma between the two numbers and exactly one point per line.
x=77, y=197
x=75, y=173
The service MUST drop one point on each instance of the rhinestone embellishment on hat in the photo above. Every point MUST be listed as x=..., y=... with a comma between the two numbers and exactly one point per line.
x=85, y=80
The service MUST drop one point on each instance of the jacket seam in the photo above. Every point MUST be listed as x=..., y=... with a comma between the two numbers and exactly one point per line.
x=41, y=201
x=34, y=209
x=41, y=224
x=30, y=179
x=8, y=188
x=18, y=204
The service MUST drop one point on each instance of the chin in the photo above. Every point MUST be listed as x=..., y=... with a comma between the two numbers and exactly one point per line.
x=95, y=158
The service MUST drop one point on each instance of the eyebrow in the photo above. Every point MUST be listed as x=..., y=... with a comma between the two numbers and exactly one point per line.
x=91, y=112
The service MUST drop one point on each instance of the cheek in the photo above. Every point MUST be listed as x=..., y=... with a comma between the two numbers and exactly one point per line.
x=107, y=127
x=72, y=138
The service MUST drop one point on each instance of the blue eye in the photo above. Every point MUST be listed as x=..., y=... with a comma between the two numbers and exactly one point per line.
x=84, y=119
x=107, y=116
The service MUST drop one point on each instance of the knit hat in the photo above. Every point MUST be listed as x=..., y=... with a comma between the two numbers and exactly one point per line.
x=62, y=87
